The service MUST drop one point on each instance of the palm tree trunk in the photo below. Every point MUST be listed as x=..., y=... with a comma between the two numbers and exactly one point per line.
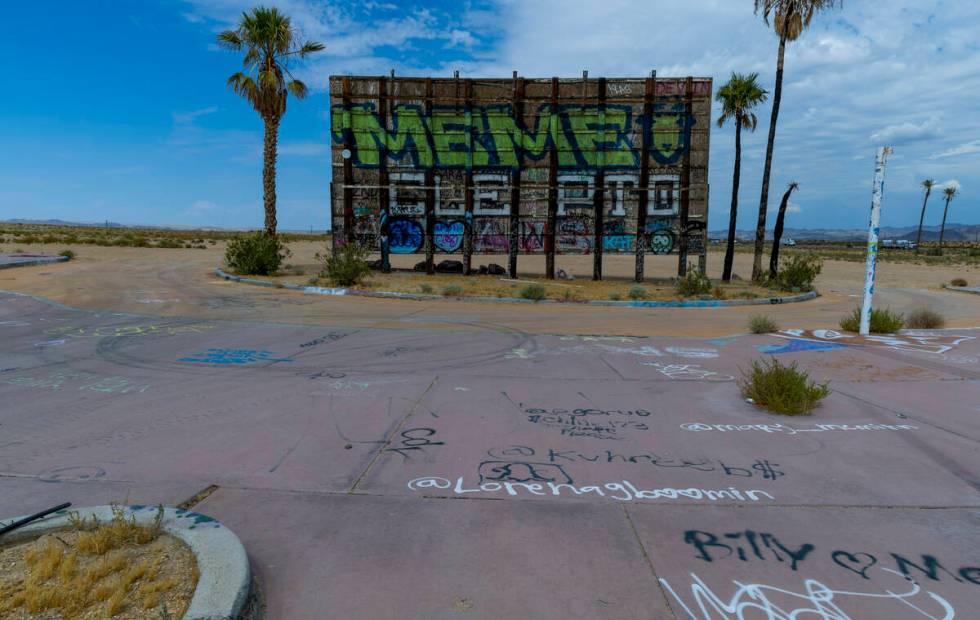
x=777, y=234
x=922, y=216
x=942, y=230
x=760, y=229
x=269, y=152
x=733, y=214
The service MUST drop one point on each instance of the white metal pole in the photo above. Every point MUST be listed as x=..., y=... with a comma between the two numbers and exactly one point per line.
x=873, y=231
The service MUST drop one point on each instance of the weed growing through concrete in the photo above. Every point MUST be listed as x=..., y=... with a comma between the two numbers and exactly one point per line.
x=762, y=324
x=781, y=389
x=882, y=321
x=925, y=318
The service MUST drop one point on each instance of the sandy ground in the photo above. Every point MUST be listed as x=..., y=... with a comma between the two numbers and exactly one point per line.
x=180, y=282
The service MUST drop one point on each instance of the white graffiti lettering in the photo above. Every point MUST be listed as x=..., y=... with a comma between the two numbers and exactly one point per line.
x=789, y=430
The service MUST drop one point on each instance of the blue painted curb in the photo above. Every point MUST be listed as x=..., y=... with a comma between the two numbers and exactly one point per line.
x=694, y=303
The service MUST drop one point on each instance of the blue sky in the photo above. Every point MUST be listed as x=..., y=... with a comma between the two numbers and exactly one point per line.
x=119, y=110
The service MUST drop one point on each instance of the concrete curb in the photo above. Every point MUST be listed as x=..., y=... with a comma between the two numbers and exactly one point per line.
x=35, y=260
x=694, y=303
x=225, y=578
x=973, y=290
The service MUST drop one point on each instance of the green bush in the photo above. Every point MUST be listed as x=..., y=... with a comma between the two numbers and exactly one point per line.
x=615, y=296
x=781, y=389
x=762, y=324
x=925, y=318
x=694, y=283
x=534, y=292
x=452, y=290
x=256, y=254
x=169, y=243
x=637, y=292
x=958, y=282
x=347, y=266
x=934, y=252
x=426, y=289
x=882, y=321
x=799, y=272
x=67, y=254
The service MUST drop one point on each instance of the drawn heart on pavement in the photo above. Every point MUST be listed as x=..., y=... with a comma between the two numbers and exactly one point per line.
x=854, y=562
x=449, y=235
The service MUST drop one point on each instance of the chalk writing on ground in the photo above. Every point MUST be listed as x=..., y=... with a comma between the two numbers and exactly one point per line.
x=415, y=439
x=760, y=468
x=233, y=357
x=688, y=372
x=623, y=491
x=761, y=601
x=118, y=331
x=89, y=382
x=791, y=430
x=752, y=546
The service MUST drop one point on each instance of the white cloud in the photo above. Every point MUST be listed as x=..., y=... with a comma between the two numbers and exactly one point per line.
x=970, y=148
x=201, y=206
x=907, y=132
x=951, y=183
x=184, y=118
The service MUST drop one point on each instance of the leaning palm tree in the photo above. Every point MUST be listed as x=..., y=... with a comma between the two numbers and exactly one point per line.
x=928, y=184
x=738, y=97
x=950, y=193
x=270, y=42
x=790, y=19
x=777, y=233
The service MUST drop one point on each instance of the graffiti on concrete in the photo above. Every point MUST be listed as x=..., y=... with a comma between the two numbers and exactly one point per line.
x=688, y=372
x=404, y=235
x=623, y=491
x=752, y=546
x=448, y=236
x=815, y=599
x=761, y=468
x=414, y=440
x=89, y=382
x=791, y=430
x=233, y=357
x=119, y=331
x=522, y=471
x=924, y=342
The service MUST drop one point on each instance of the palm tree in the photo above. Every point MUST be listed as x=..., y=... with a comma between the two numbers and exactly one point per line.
x=738, y=97
x=928, y=184
x=269, y=41
x=950, y=193
x=777, y=233
x=791, y=18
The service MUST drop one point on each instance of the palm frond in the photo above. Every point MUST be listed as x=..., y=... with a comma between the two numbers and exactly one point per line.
x=297, y=89
x=230, y=39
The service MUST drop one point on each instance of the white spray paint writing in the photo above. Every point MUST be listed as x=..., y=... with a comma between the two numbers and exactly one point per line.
x=789, y=430
x=623, y=491
x=693, y=353
x=688, y=372
x=764, y=602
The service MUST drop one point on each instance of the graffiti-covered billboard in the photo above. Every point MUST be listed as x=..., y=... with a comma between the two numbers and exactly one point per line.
x=521, y=166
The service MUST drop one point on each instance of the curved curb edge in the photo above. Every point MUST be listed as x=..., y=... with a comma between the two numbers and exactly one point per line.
x=225, y=578
x=698, y=303
x=46, y=260
x=961, y=289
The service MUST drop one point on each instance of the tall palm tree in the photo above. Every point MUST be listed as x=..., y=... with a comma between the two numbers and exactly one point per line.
x=950, y=193
x=790, y=19
x=777, y=233
x=270, y=42
x=738, y=97
x=928, y=184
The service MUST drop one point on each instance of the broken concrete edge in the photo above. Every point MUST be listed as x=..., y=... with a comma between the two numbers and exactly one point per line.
x=973, y=290
x=40, y=260
x=692, y=303
x=224, y=584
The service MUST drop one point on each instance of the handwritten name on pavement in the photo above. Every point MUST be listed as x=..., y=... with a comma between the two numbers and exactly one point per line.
x=623, y=491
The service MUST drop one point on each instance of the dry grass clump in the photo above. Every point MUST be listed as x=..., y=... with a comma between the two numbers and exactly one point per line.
x=94, y=570
x=925, y=318
x=762, y=324
x=782, y=389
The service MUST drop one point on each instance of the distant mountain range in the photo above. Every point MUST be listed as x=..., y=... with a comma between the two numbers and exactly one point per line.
x=954, y=232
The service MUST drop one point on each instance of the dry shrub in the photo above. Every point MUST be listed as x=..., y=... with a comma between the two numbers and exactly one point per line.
x=925, y=318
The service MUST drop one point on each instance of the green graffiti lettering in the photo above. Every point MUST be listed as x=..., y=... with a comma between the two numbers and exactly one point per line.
x=449, y=129
x=669, y=134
